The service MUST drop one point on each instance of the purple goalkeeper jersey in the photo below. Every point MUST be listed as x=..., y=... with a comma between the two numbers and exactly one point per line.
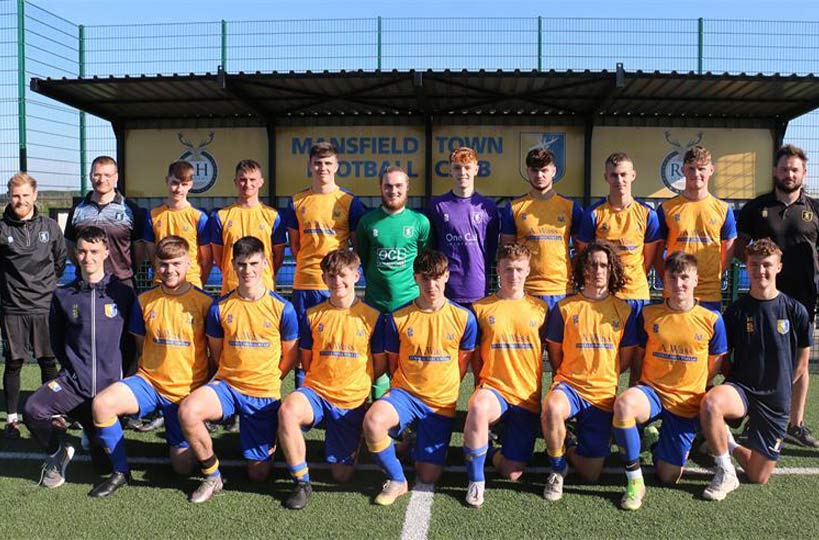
x=466, y=230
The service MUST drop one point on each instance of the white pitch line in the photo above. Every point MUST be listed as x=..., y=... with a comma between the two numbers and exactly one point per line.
x=419, y=512
x=609, y=471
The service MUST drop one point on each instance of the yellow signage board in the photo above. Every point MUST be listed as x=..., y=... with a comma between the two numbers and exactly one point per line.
x=364, y=152
x=213, y=153
x=501, y=154
x=742, y=159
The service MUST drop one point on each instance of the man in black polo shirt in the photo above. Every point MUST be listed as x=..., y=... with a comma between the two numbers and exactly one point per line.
x=124, y=225
x=791, y=219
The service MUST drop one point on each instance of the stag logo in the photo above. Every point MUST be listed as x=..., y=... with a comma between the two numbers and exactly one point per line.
x=555, y=142
x=205, y=170
x=671, y=172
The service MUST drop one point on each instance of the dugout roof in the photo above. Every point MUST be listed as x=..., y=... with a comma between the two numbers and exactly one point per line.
x=369, y=97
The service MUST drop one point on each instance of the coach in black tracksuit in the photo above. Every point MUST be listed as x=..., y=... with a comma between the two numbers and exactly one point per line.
x=32, y=257
x=87, y=320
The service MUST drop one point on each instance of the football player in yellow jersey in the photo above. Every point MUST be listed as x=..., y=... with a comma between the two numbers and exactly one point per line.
x=681, y=345
x=248, y=216
x=341, y=349
x=252, y=331
x=319, y=219
x=629, y=224
x=177, y=217
x=591, y=338
x=508, y=368
x=544, y=221
x=429, y=343
x=168, y=323
x=698, y=223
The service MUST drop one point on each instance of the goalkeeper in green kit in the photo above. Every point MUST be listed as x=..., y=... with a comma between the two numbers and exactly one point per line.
x=389, y=238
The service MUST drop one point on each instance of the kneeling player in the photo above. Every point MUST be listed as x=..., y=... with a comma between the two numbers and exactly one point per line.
x=252, y=331
x=591, y=339
x=428, y=343
x=770, y=335
x=681, y=345
x=168, y=323
x=341, y=349
x=508, y=367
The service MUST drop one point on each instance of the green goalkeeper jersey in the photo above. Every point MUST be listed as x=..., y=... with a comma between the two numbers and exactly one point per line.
x=388, y=245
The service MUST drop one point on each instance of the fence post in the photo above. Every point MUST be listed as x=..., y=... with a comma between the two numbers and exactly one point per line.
x=21, y=83
x=699, y=44
x=379, y=44
x=540, y=43
x=224, y=45
x=83, y=149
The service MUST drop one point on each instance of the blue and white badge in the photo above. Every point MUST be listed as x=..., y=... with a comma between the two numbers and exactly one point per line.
x=783, y=326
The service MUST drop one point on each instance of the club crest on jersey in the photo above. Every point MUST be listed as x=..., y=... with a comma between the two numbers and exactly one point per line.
x=676, y=217
x=655, y=328
x=230, y=223
x=158, y=223
x=615, y=325
x=749, y=325
x=409, y=331
x=477, y=218
x=764, y=212
x=152, y=314
x=303, y=210
x=783, y=325
x=523, y=216
x=44, y=237
x=561, y=218
x=75, y=312
x=450, y=336
x=336, y=213
x=807, y=215
x=553, y=141
x=605, y=227
x=267, y=324
x=408, y=231
x=491, y=320
x=575, y=319
x=532, y=324
x=320, y=328
x=186, y=228
x=699, y=337
x=119, y=216
x=230, y=319
x=111, y=310
x=360, y=332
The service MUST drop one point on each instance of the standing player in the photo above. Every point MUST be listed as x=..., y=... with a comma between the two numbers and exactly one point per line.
x=86, y=322
x=248, y=216
x=465, y=229
x=390, y=237
x=179, y=218
x=508, y=367
x=168, y=322
x=121, y=219
x=341, y=348
x=790, y=218
x=698, y=223
x=32, y=257
x=680, y=350
x=252, y=331
x=591, y=339
x=319, y=220
x=544, y=221
x=429, y=344
x=629, y=224
x=770, y=335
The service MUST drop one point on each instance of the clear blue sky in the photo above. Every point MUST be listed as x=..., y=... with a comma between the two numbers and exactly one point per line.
x=93, y=12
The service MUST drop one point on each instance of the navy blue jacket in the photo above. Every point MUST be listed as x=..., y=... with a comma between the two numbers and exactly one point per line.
x=87, y=325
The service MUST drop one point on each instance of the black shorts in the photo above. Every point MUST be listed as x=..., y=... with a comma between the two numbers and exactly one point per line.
x=766, y=425
x=25, y=336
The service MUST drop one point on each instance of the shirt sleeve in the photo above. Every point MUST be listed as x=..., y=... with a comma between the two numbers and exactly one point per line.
x=213, y=323
x=492, y=231
x=507, y=220
x=642, y=336
x=279, y=232
x=202, y=229
x=289, y=216
x=663, y=233
x=652, y=227
x=470, y=332
x=136, y=322
x=289, y=324
x=377, y=339
x=630, y=334
x=391, y=343
x=305, y=333
x=587, y=226
x=140, y=218
x=554, y=326
x=729, y=227
x=363, y=245
x=149, y=235
x=215, y=224
x=577, y=217
x=719, y=342
x=357, y=210
x=423, y=232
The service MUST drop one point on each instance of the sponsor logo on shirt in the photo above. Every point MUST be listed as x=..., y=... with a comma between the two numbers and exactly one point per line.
x=391, y=258
x=468, y=238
